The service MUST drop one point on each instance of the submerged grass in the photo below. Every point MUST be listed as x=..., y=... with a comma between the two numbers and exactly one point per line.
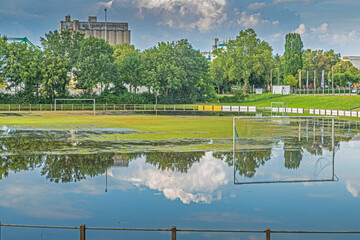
x=151, y=127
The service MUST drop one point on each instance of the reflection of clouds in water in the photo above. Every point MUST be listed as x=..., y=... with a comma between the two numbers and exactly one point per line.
x=348, y=168
x=29, y=195
x=227, y=217
x=353, y=187
x=200, y=184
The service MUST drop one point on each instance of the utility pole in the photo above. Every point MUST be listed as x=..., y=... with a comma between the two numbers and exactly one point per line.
x=105, y=26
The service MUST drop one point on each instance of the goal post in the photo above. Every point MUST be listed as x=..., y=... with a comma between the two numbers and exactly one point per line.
x=64, y=99
x=284, y=149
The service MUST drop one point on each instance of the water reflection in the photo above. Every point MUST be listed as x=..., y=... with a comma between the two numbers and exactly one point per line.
x=289, y=140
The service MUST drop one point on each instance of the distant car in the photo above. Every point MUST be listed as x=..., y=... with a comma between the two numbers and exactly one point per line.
x=356, y=91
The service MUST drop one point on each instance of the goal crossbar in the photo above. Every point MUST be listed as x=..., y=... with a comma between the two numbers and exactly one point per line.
x=64, y=99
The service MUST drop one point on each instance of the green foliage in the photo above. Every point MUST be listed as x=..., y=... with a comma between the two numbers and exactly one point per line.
x=54, y=76
x=131, y=71
x=178, y=73
x=121, y=51
x=290, y=80
x=319, y=60
x=95, y=65
x=22, y=69
x=246, y=61
x=293, y=54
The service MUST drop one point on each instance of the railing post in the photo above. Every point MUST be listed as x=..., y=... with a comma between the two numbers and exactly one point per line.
x=268, y=234
x=0, y=230
x=82, y=232
x=173, y=233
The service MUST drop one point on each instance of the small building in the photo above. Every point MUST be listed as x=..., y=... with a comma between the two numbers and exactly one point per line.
x=116, y=32
x=216, y=44
x=281, y=89
x=355, y=60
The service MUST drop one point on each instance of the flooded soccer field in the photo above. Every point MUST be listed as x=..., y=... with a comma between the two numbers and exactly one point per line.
x=283, y=174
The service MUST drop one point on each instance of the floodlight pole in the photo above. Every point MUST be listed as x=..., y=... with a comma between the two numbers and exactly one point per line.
x=105, y=26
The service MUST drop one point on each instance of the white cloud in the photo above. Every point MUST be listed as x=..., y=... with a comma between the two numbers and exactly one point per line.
x=322, y=29
x=256, y=6
x=276, y=22
x=283, y=1
x=106, y=4
x=345, y=37
x=202, y=15
x=252, y=20
x=301, y=29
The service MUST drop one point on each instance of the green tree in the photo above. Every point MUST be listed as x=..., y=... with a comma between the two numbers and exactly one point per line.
x=290, y=80
x=131, y=70
x=319, y=60
x=178, y=72
x=22, y=69
x=293, y=54
x=95, y=65
x=246, y=61
x=55, y=77
x=65, y=45
x=121, y=51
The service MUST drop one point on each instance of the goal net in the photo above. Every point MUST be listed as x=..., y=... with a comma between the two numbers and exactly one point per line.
x=283, y=149
x=85, y=103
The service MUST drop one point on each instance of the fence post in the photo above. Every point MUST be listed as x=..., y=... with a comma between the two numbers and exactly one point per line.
x=30, y=107
x=114, y=107
x=9, y=107
x=19, y=107
x=40, y=107
x=72, y=107
x=82, y=232
x=173, y=233
x=268, y=234
x=0, y=230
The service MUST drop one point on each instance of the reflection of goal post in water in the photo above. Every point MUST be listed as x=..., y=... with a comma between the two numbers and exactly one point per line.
x=261, y=146
x=93, y=100
x=278, y=109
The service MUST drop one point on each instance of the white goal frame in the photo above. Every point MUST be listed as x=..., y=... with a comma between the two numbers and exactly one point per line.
x=333, y=177
x=64, y=99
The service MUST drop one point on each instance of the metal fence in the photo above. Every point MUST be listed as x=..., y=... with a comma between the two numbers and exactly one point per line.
x=173, y=230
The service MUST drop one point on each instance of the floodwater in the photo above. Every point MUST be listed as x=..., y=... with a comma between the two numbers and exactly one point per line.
x=284, y=175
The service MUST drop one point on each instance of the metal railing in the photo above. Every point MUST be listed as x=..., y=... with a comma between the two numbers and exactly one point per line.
x=173, y=230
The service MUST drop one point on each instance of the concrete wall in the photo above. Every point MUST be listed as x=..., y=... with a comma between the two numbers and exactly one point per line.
x=117, y=33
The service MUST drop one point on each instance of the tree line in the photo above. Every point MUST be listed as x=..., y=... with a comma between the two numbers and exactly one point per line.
x=171, y=72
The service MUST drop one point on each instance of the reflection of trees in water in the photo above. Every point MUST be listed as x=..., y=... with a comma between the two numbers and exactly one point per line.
x=246, y=162
x=73, y=168
x=58, y=168
x=174, y=161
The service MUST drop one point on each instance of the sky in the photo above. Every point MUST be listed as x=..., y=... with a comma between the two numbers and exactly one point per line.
x=322, y=24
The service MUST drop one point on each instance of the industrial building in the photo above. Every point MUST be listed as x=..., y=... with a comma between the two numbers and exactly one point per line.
x=116, y=32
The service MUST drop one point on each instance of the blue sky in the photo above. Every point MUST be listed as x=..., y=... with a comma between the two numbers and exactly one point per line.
x=323, y=24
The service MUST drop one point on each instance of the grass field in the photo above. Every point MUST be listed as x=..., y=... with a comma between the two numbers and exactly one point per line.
x=304, y=101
